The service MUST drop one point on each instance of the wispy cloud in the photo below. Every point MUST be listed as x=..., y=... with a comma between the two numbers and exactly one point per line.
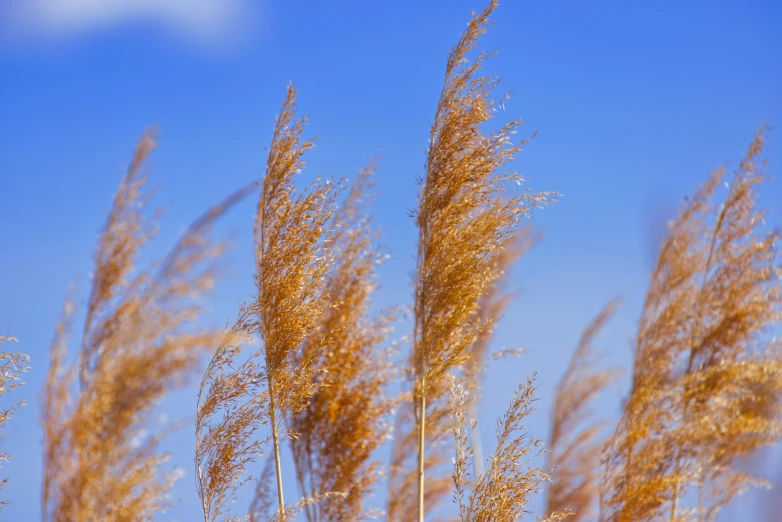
x=211, y=22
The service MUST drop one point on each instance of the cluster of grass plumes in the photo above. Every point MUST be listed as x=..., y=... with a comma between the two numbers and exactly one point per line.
x=137, y=343
x=574, y=443
x=308, y=364
x=706, y=382
x=12, y=364
x=707, y=379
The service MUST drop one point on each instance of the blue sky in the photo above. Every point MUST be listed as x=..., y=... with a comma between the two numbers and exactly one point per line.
x=634, y=104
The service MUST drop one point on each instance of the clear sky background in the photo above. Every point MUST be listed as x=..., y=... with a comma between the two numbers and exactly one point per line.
x=634, y=102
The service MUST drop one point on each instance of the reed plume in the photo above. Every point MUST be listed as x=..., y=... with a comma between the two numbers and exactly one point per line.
x=227, y=421
x=12, y=364
x=707, y=379
x=575, y=445
x=345, y=420
x=464, y=222
x=503, y=491
x=138, y=343
x=292, y=260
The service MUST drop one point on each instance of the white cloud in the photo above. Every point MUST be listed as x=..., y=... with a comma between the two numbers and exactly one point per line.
x=203, y=21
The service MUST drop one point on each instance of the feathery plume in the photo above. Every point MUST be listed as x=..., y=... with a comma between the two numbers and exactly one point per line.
x=275, y=381
x=227, y=421
x=503, y=491
x=464, y=222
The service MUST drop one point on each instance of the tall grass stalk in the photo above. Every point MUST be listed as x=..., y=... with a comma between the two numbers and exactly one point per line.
x=464, y=222
x=292, y=259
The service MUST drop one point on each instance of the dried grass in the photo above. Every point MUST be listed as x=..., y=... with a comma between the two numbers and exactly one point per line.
x=138, y=343
x=510, y=481
x=465, y=218
x=276, y=381
x=707, y=379
x=346, y=419
x=306, y=360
